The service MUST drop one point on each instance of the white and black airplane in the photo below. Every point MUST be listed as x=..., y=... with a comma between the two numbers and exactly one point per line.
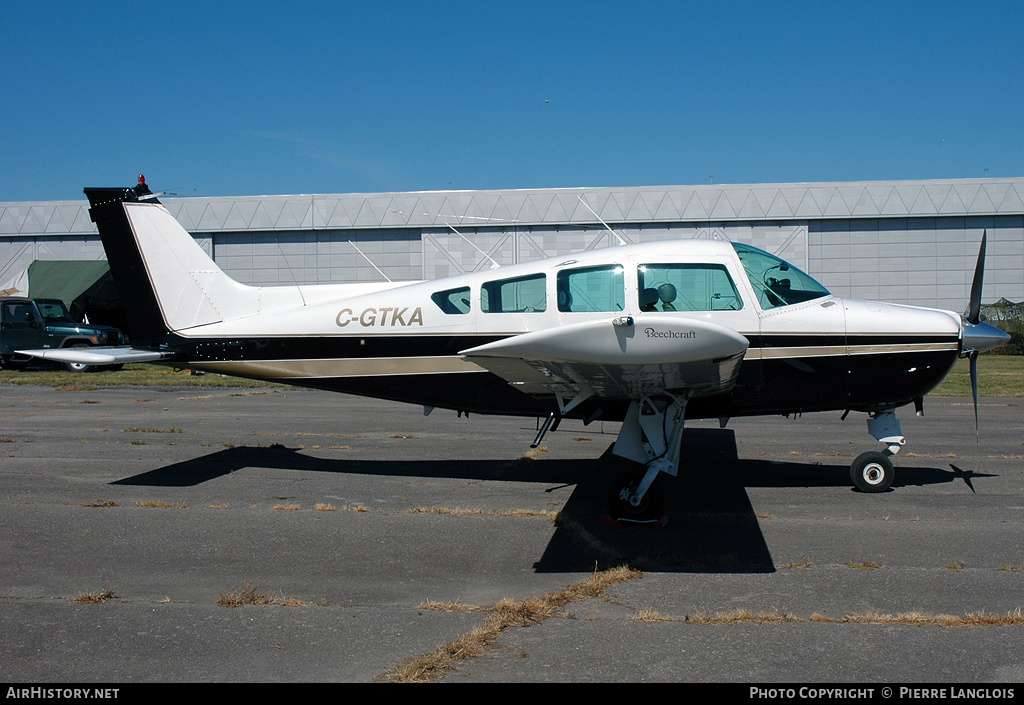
x=649, y=335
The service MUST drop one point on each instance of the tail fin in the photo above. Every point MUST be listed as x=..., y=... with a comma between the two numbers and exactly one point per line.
x=138, y=300
x=165, y=280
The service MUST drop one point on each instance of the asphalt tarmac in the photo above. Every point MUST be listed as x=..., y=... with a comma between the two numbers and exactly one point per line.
x=381, y=534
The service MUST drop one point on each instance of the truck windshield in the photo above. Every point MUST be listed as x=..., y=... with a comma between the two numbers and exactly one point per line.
x=777, y=282
x=54, y=311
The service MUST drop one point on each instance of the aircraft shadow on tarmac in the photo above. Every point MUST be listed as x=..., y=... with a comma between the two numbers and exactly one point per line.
x=712, y=525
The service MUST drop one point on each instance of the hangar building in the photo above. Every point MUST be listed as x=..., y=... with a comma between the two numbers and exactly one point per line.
x=913, y=242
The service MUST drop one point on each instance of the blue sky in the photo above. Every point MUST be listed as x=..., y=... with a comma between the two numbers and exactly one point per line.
x=233, y=98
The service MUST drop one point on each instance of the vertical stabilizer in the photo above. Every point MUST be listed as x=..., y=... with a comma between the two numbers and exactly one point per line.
x=165, y=280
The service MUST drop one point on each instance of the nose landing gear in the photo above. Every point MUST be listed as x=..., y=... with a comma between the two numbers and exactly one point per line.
x=873, y=471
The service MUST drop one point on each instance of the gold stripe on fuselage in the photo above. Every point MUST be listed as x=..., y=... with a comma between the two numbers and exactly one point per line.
x=836, y=350
x=340, y=367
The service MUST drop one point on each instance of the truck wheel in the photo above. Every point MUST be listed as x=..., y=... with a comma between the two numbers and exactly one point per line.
x=8, y=362
x=78, y=366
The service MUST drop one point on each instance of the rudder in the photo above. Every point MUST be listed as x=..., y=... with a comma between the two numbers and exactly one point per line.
x=165, y=280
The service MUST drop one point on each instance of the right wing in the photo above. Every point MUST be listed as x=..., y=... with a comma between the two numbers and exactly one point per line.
x=618, y=359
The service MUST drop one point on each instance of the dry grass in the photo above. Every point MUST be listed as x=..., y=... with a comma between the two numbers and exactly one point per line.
x=804, y=562
x=288, y=507
x=506, y=614
x=94, y=598
x=864, y=564
x=461, y=511
x=650, y=616
x=248, y=594
x=741, y=617
x=136, y=429
x=947, y=621
x=99, y=503
x=450, y=607
x=906, y=619
x=159, y=504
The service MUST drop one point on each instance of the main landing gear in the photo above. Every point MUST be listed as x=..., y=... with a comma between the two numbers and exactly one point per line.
x=873, y=471
x=632, y=500
x=650, y=436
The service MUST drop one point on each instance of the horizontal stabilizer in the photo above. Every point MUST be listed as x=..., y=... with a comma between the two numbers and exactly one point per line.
x=97, y=356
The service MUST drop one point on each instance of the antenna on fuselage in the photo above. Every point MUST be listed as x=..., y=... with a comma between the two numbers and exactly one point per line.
x=369, y=260
x=622, y=240
x=494, y=265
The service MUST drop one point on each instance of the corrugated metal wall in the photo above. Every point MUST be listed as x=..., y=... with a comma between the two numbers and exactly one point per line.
x=907, y=242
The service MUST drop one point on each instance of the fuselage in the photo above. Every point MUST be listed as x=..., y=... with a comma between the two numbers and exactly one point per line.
x=808, y=349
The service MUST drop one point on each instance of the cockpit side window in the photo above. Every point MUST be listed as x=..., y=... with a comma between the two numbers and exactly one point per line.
x=452, y=301
x=777, y=282
x=687, y=287
x=517, y=295
x=591, y=289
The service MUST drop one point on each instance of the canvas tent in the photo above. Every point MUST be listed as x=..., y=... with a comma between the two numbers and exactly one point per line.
x=86, y=286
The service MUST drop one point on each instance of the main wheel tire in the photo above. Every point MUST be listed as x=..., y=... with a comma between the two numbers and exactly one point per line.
x=78, y=366
x=872, y=472
x=623, y=484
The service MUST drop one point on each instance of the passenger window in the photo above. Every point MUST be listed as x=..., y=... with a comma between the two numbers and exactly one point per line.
x=452, y=301
x=687, y=287
x=591, y=289
x=518, y=295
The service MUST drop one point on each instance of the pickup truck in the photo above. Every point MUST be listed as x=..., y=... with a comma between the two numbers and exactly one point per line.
x=34, y=324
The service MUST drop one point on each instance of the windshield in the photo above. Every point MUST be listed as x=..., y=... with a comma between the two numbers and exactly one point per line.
x=54, y=311
x=777, y=282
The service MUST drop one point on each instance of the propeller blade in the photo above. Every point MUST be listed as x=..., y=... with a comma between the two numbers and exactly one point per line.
x=974, y=392
x=974, y=312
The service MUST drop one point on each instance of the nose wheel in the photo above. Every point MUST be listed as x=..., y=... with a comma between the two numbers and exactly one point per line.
x=872, y=472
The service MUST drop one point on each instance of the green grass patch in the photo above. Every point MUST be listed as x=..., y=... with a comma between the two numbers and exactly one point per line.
x=998, y=376
x=133, y=375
